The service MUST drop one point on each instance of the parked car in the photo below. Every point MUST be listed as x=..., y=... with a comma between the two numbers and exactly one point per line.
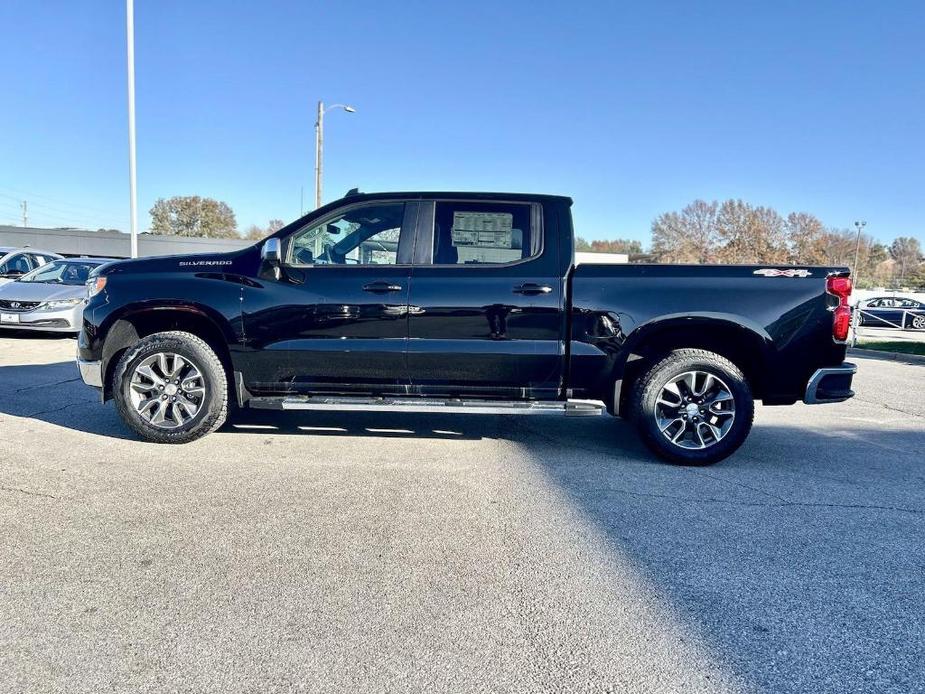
x=16, y=262
x=51, y=297
x=461, y=303
x=891, y=312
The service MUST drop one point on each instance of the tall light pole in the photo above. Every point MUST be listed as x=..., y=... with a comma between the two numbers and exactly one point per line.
x=319, y=144
x=133, y=193
x=857, y=250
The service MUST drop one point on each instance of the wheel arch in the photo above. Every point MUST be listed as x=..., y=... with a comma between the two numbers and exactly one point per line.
x=137, y=322
x=741, y=341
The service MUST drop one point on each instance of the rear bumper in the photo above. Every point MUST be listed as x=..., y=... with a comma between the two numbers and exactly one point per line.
x=832, y=384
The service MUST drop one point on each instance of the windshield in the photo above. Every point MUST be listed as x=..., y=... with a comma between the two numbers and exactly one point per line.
x=61, y=272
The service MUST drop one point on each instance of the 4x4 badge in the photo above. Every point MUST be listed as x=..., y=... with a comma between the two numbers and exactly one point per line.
x=774, y=272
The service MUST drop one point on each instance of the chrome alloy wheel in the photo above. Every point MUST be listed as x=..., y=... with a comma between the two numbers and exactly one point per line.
x=167, y=390
x=695, y=410
x=918, y=322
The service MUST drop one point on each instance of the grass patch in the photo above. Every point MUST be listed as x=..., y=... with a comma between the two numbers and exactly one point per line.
x=901, y=347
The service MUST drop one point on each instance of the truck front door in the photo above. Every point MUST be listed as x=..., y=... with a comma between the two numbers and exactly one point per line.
x=485, y=310
x=336, y=319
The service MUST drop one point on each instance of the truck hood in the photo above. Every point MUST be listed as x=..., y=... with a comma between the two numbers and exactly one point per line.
x=40, y=291
x=200, y=262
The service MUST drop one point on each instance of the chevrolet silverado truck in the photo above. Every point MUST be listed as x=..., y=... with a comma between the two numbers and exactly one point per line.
x=461, y=303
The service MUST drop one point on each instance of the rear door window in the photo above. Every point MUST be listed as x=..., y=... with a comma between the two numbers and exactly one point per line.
x=476, y=233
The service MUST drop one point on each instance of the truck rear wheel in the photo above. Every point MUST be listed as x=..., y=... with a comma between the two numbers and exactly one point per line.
x=171, y=388
x=693, y=407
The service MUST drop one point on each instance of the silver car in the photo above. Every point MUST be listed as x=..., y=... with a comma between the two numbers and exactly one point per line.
x=16, y=262
x=50, y=298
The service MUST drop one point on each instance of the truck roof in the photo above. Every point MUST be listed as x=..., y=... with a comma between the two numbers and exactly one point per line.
x=456, y=195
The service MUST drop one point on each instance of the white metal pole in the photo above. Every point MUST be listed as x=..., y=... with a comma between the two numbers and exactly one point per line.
x=319, y=152
x=133, y=202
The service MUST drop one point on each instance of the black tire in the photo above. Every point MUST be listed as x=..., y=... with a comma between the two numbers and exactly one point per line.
x=214, y=405
x=648, y=387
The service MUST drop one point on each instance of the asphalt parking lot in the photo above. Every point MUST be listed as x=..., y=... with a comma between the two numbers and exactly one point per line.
x=382, y=552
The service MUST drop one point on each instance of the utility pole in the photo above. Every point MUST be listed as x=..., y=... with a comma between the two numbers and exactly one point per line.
x=319, y=145
x=25, y=213
x=857, y=250
x=130, y=54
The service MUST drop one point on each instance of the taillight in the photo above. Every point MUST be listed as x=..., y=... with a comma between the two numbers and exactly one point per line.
x=841, y=321
x=841, y=316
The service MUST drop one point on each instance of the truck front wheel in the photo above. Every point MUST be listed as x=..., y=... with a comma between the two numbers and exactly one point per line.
x=693, y=407
x=171, y=388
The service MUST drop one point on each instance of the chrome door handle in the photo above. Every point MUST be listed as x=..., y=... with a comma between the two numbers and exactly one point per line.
x=381, y=287
x=531, y=288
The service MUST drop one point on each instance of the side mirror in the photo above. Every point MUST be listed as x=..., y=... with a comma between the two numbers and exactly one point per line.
x=272, y=251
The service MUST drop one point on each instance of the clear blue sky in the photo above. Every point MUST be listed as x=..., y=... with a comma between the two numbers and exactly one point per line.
x=631, y=108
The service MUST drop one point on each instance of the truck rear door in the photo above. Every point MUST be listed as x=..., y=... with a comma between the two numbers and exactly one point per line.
x=486, y=303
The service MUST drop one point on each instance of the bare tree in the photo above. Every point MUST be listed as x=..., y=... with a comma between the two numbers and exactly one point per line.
x=255, y=233
x=750, y=234
x=806, y=237
x=627, y=246
x=907, y=252
x=688, y=236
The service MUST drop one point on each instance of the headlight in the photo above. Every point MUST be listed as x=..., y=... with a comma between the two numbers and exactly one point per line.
x=62, y=303
x=95, y=286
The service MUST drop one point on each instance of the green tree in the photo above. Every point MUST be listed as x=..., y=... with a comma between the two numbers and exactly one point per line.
x=192, y=215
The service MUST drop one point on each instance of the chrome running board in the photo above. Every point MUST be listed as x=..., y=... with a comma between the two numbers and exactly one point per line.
x=569, y=408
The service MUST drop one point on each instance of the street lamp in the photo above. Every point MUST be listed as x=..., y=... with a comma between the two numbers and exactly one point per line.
x=319, y=144
x=857, y=250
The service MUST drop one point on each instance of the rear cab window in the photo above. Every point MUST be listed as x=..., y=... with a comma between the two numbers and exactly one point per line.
x=485, y=233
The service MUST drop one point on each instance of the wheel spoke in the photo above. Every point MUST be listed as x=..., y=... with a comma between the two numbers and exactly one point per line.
x=671, y=423
x=707, y=384
x=159, y=412
x=162, y=364
x=699, y=437
x=176, y=412
x=178, y=364
x=148, y=373
x=140, y=387
x=188, y=405
x=715, y=431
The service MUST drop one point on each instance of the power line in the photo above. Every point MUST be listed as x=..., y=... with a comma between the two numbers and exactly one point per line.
x=20, y=194
x=58, y=210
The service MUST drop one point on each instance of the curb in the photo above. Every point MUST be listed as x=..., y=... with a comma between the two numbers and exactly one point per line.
x=888, y=356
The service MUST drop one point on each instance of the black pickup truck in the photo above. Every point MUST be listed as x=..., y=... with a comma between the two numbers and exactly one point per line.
x=464, y=303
